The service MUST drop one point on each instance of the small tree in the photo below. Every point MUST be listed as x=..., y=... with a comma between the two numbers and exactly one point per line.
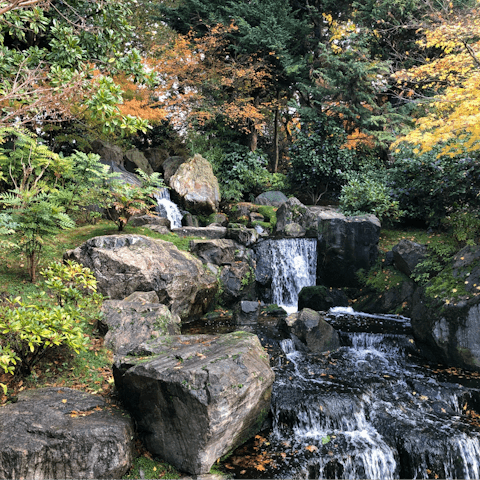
x=37, y=218
x=127, y=200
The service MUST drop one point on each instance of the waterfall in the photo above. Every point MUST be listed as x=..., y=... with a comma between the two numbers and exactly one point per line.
x=166, y=208
x=369, y=410
x=291, y=265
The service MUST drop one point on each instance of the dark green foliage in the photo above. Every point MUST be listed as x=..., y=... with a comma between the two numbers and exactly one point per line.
x=318, y=158
x=367, y=193
x=429, y=187
x=243, y=173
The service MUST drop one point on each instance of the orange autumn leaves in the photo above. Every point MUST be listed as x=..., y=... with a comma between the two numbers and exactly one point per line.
x=198, y=79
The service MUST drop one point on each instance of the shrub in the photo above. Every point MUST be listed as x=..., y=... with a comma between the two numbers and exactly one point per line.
x=364, y=194
x=29, y=332
x=428, y=186
x=318, y=156
x=72, y=284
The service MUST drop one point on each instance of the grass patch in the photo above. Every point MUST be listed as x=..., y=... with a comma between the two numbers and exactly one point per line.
x=148, y=467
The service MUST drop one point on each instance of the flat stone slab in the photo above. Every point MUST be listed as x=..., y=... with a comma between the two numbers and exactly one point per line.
x=60, y=433
x=196, y=397
x=207, y=232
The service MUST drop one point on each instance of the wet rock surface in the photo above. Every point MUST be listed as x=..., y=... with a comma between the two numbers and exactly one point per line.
x=55, y=433
x=367, y=410
x=196, y=397
x=311, y=329
x=345, y=245
x=446, y=328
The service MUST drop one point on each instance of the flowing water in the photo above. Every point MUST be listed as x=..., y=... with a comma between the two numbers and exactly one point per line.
x=368, y=410
x=290, y=264
x=166, y=208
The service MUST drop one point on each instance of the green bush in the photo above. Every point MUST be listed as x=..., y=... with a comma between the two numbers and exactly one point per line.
x=428, y=187
x=364, y=194
x=29, y=332
x=242, y=174
x=318, y=156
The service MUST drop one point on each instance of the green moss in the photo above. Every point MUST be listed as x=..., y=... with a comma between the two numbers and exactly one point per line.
x=269, y=213
x=151, y=468
x=382, y=278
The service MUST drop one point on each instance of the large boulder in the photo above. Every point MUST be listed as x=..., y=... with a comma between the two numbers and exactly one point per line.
x=129, y=323
x=345, y=245
x=447, y=326
x=170, y=167
x=312, y=330
x=123, y=264
x=134, y=159
x=195, y=187
x=321, y=298
x=241, y=234
x=109, y=153
x=407, y=255
x=216, y=251
x=273, y=198
x=60, y=433
x=195, y=398
x=295, y=220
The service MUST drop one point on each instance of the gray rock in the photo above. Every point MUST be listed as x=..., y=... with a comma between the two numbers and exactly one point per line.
x=237, y=282
x=242, y=234
x=195, y=187
x=109, y=153
x=156, y=157
x=311, y=329
x=448, y=329
x=142, y=297
x=216, y=251
x=321, y=298
x=170, y=167
x=147, y=220
x=62, y=433
x=295, y=220
x=218, y=219
x=123, y=264
x=195, y=398
x=134, y=159
x=247, y=313
x=130, y=323
x=190, y=220
x=345, y=245
x=206, y=232
x=407, y=255
x=273, y=198
x=159, y=229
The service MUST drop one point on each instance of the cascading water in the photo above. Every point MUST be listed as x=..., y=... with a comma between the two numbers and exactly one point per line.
x=290, y=264
x=368, y=410
x=166, y=208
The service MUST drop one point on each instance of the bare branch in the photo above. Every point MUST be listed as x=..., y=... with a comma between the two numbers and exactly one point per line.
x=16, y=4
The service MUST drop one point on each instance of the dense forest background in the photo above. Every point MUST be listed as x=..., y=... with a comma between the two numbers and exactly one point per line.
x=370, y=105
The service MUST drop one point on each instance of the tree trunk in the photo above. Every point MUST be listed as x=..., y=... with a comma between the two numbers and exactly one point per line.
x=276, y=135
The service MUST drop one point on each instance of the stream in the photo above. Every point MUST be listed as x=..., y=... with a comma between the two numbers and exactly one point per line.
x=370, y=410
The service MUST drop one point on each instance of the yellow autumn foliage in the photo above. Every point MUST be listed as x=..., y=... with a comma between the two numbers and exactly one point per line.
x=452, y=117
